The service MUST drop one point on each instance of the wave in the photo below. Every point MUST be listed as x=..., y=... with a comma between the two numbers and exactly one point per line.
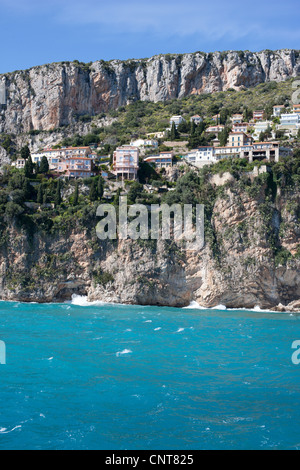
x=195, y=304
x=257, y=308
x=6, y=431
x=82, y=301
x=122, y=353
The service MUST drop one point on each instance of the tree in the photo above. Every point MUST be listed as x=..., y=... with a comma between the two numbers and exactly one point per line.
x=28, y=168
x=93, y=191
x=183, y=127
x=247, y=114
x=45, y=197
x=135, y=191
x=75, y=197
x=100, y=187
x=39, y=198
x=268, y=132
x=223, y=136
x=262, y=137
x=174, y=132
x=44, y=166
x=27, y=188
x=116, y=198
x=224, y=113
x=192, y=127
x=25, y=152
x=57, y=198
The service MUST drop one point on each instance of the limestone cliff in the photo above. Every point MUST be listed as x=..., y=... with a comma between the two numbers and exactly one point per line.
x=49, y=96
x=237, y=267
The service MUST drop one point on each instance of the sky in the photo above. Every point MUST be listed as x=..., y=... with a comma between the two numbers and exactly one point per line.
x=35, y=32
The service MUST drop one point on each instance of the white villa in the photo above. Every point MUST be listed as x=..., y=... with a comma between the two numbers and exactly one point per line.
x=163, y=160
x=177, y=120
x=144, y=143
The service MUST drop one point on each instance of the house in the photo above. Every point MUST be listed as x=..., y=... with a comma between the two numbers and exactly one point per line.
x=177, y=120
x=126, y=162
x=238, y=139
x=216, y=118
x=257, y=151
x=19, y=163
x=290, y=119
x=278, y=109
x=55, y=155
x=163, y=160
x=296, y=108
x=240, y=127
x=258, y=115
x=196, y=119
x=144, y=143
x=214, y=129
x=201, y=156
x=261, y=126
x=237, y=118
x=76, y=167
x=270, y=151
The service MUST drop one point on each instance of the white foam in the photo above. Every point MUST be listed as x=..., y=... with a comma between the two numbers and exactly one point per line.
x=219, y=307
x=5, y=431
x=195, y=304
x=125, y=351
x=157, y=329
x=82, y=301
x=180, y=330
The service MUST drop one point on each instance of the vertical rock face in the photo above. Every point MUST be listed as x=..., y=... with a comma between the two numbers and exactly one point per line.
x=49, y=96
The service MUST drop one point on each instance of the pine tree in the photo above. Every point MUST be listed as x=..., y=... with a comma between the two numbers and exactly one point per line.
x=93, y=191
x=192, y=128
x=27, y=188
x=100, y=188
x=223, y=136
x=57, y=199
x=174, y=132
x=28, y=168
x=44, y=166
x=25, y=152
x=39, y=198
x=45, y=197
x=75, y=197
x=262, y=137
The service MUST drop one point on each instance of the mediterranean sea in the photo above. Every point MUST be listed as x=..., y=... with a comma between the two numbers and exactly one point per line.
x=116, y=377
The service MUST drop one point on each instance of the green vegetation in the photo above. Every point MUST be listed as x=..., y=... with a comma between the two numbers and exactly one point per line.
x=142, y=117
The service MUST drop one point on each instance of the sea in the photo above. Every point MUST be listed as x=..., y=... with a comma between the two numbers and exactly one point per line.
x=95, y=376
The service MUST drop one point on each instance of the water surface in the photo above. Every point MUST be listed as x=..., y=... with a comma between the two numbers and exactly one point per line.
x=130, y=377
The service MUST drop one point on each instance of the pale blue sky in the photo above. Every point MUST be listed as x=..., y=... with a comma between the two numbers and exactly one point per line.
x=34, y=32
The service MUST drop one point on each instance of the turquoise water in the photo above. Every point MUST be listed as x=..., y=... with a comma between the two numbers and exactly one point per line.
x=130, y=377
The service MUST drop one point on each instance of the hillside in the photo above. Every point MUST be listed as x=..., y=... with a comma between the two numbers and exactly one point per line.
x=49, y=249
x=52, y=95
x=116, y=127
